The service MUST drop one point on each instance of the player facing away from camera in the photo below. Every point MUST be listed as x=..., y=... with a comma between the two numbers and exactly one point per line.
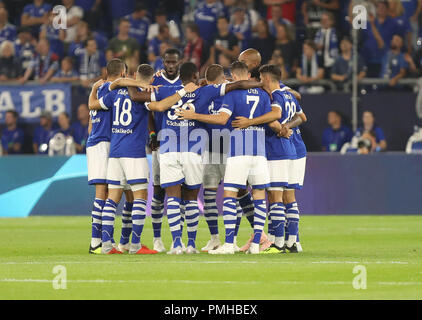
x=280, y=152
x=181, y=147
x=127, y=163
x=167, y=77
x=246, y=161
x=98, y=148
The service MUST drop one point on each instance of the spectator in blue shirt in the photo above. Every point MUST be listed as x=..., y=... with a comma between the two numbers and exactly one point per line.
x=80, y=129
x=404, y=28
x=66, y=72
x=369, y=126
x=241, y=28
x=24, y=49
x=377, y=37
x=54, y=35
x=83, y=33
x=92, y=63
x=394, y=64
x=7, y=30
x=206, y=15
x=337, y=134
x=12, y=137
x=43, y=133
x=44, y=65
x=64, y=125
x=34, y=15
x=276, y=19
x=139, y=24
x=154, y=44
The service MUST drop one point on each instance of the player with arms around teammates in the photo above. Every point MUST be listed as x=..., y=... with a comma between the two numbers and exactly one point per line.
x=181, y=148
x=167, y=77
x=98, y=148
x=127, y=163
x=246, y=160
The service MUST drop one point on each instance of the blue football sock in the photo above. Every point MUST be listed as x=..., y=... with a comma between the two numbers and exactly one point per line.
x=229, y=217
x=173, y=216
x=108, y=215
x=138, y=219
x=260, y=215
x=192, y=218
x=97, y=208
x=157, y=208
x=277, y=213
x=126, y=222
x=211, y=210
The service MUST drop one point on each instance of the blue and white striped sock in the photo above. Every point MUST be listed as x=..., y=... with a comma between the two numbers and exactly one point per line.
x=173, y=216
x=138, y=219
x=229, y=217
x=246, y=202
x=211, y=210
x=192, y=219
x=260, y=215
x=239, y=214
x=107, y=223
x=278, y=219
x=182, y=215
x=292, y=215
x=157, y=208
x=97, y=208
x=126, y=223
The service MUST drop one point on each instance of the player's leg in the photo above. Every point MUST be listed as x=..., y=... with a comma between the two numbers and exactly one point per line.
x=235, y=178
x=108, y=216
x=96, y=217
x=97, y=161
x=277, y=214
x=157, y=212
x=259, y=179
x=126, y=220
x=292, y=217
x=171, y=179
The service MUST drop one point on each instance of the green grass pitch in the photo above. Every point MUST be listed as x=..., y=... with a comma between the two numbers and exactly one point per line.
x=389, y=247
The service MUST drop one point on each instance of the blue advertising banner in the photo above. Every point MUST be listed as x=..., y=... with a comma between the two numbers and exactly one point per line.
x=30, y=100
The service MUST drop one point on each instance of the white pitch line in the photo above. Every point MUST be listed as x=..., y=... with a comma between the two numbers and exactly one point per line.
x=380, y=283
x=199, y=262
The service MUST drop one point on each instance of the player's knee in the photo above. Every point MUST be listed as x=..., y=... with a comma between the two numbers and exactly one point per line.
x=289, y=196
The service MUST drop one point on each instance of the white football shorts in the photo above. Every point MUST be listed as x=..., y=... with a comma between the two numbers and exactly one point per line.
x=241, y=170
x=181, y=167
x=297, y=175
x=280, y=172
x=97, y=159
x=131, y=171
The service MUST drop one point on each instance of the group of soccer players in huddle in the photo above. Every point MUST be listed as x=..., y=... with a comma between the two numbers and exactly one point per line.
x=243, y=133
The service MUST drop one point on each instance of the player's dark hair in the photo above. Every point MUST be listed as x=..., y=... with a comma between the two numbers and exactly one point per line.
x=162, y=28
x=14, y=113
x=238, y=67
x=188, y=71
x=272, y=70
x=170, y=51
x=213, y=72
x=145, y=71
x=115, y=67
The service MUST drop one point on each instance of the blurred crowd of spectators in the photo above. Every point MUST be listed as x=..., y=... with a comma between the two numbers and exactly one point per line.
x=308, y=39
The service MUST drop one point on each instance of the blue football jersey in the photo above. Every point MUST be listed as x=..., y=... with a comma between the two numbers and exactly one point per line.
x=178, y=135
x=129, y=129
x=250, y=104
x=219, y=147
x=163, y=81
x=100, y=119
x=281, y=148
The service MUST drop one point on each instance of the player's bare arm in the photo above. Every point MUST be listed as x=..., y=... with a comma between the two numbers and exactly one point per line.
x=127, y=82
x=168, y=102
x=243, y=85
x=189, y=114
x=243, y=122
x=93, y=102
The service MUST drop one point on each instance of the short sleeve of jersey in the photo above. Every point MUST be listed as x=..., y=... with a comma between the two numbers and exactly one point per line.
x=228, y=104
x=107, y=101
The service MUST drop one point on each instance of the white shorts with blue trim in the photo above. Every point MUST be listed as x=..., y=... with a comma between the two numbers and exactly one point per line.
x=131, y=171
x=280, y=173
x=97, y=159
x=155, y=155
x=181, y=167
x=241, y=170
x=298, y=174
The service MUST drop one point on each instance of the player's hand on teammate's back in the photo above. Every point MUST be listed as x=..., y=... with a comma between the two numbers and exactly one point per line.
x=186, y=114
x=152, y=88
x=191, y=87
x=284, y=132
x=241, y=123
x=203, y=82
